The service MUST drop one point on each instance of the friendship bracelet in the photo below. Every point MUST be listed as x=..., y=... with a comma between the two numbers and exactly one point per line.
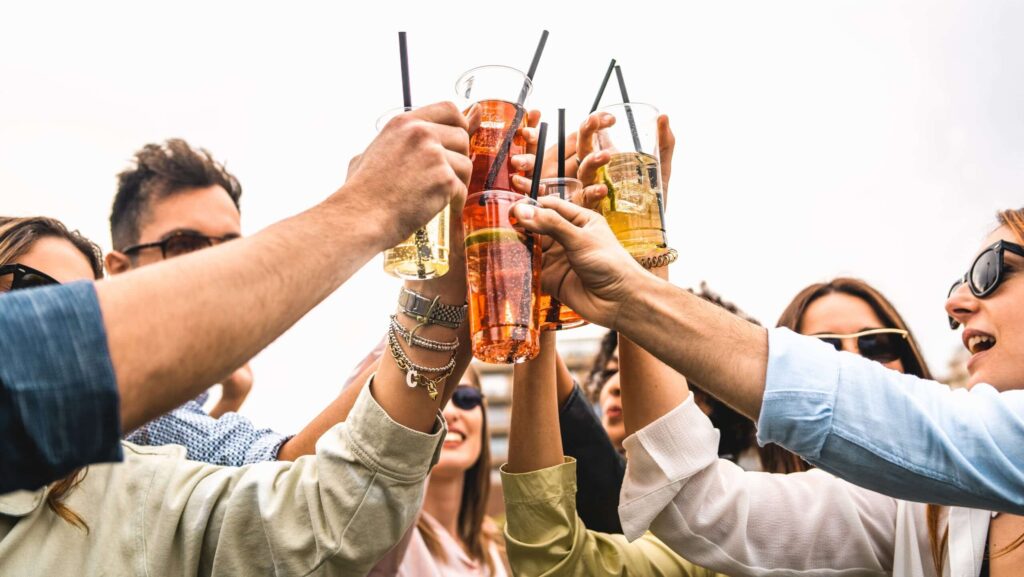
x=422, y=342
x=414, y=376
x=659, y=261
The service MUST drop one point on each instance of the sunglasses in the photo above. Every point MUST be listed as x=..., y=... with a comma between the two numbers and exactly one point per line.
x=18, y=276
x=179, y=243
x=467, y=398
x=986, y=272
x=882, y=345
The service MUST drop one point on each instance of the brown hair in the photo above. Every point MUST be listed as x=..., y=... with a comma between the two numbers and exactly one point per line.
x=1014, y=220
x=475, y=529
x=162, y=170
x=17, y=235
x=775, y=459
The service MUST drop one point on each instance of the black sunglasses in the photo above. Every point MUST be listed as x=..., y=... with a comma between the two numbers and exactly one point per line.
x=986, y=272
x=179, y=243
x=882, y=345
x=467, y=398
x=23, y=277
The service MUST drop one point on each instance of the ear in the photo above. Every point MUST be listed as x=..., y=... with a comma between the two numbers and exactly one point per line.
x=117, y=262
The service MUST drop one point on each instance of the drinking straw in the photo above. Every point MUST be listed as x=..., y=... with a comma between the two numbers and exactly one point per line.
x=404, y=55
x=537, y=166
x=561, y=150
x=506, y=144
x=629, y=111
x=600, y=91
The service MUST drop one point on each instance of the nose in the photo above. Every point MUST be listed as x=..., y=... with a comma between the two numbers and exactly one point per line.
x=450, y=414
x=961, y=304
x=850, y=346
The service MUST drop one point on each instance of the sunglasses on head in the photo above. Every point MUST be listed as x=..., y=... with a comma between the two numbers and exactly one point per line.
x=882, y=345
x=986, y=272
x=18, y=276
x=467, y=397
x=179, y=243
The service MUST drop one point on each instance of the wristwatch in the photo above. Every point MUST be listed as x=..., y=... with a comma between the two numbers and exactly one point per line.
x=431, y=311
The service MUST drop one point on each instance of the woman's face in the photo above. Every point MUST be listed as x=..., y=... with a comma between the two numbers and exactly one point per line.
x=610, y=401
x=843, y=314
x=464, y=441
x=57, y=258
x=993, y=327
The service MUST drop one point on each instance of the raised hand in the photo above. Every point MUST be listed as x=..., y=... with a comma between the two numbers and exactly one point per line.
x=416, y=165
x=585, y=267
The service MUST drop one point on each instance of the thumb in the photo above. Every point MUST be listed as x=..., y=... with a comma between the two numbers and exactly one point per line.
x=562, y=221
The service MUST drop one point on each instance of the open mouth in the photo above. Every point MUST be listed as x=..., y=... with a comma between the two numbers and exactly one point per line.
x=454, y=438
x=979, y=342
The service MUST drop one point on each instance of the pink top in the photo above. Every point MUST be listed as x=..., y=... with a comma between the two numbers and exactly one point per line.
x=418, y=562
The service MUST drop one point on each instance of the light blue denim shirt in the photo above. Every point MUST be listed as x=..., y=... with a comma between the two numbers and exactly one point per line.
x=893, y=433
x=59, y=404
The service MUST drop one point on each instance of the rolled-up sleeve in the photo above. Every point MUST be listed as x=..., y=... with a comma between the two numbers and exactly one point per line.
x=59, y=404
x=893, y=433
x=545, y=537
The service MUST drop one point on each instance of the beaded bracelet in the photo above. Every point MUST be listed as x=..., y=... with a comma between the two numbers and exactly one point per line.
x=421, y=342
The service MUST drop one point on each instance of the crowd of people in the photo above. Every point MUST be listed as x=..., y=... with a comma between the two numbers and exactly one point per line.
x=719, y=447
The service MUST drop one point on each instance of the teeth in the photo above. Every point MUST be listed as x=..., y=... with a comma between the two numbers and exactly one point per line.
x=975, y=341
x=455, y=436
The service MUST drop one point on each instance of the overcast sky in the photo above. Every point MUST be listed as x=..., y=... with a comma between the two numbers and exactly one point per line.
x=873, y=139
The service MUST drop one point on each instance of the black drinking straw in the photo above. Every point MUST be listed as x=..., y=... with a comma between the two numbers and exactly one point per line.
x=561, y=150
x=506, y=144
x=629, y=110
x=537, y=167
x=404, y=55
x=604, y=83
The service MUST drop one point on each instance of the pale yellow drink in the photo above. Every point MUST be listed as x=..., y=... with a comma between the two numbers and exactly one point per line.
x=634, y=207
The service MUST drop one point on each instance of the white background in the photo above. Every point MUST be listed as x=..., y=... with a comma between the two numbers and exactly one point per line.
x=874, y=139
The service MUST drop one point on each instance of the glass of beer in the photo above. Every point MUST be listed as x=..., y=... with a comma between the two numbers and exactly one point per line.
x=496, y=89
x=424, y=255
x=555, y=316
x=634, y=207
x=503, y=274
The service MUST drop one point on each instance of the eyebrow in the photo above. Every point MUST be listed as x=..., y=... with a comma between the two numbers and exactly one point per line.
x=170, y=233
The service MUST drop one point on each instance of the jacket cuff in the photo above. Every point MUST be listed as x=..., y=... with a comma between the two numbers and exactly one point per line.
x=388, y=447
x=674, y=447
x=541, y=485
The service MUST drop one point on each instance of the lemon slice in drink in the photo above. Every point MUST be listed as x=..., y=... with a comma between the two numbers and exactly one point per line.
x=494, y=235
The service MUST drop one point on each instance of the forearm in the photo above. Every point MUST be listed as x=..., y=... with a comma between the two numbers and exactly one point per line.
x=237, y=297
x=534, y=438
x=226, y=405
x=725, y=354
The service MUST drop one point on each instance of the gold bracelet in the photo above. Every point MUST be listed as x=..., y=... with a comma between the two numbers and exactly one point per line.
x=414, y=374
x=659, y=261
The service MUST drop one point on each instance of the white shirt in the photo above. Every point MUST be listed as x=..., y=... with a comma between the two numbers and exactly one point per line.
x=745, y=523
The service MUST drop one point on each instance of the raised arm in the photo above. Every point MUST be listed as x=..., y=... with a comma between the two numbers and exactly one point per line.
x=745, y=523
x=253, y=289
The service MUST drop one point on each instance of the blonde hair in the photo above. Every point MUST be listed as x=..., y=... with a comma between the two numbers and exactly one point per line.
x=477, y=531
x=1014, y=220
x=17, y=235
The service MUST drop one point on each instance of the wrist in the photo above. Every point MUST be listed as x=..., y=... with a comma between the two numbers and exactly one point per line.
x=641, y=302
x=358, y=224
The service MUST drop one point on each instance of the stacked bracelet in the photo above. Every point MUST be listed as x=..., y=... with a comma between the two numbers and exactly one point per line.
x=414, y=373
x=659, y=261
x=421, y=342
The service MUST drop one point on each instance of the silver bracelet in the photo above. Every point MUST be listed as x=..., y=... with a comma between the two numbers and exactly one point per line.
x=422, y=342
x=414, y=374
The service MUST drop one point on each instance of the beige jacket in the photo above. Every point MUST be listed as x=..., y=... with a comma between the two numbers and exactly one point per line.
x=334, y=513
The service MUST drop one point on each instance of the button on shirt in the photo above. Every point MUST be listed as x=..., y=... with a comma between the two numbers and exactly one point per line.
x=59, y=404
x=893, y=433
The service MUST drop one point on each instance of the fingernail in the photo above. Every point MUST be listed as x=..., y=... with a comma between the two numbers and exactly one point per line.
x=525, y=212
